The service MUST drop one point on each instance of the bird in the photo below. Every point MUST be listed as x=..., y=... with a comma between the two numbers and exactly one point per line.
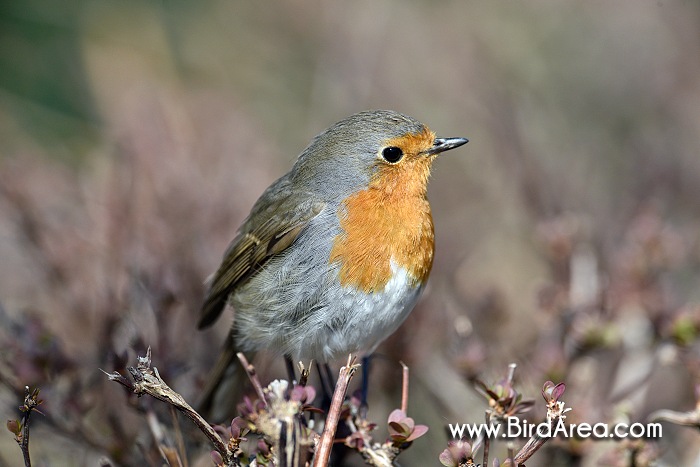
x=334, y=254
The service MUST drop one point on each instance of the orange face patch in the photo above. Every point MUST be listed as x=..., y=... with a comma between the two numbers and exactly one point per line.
x=413, y=143
x=390, y=220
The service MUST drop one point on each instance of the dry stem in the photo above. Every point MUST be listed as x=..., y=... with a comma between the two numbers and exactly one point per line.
x=146, y=380
x=323, y=451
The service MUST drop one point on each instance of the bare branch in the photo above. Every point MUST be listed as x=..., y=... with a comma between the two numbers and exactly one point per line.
x=253, y=376
x=487, y=440
x=404, y=388
x=146, y=380
x=21, y=429
x=323, y=450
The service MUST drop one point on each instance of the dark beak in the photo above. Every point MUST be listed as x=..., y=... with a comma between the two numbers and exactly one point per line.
x=445, y=144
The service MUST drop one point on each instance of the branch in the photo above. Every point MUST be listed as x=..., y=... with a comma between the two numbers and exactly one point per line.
x=530, y=448
x=146, y=380
x=487, y=440
x=323, y=451
x=253, y=376
x=404, y=388
x=21, y=429
x=555, y=414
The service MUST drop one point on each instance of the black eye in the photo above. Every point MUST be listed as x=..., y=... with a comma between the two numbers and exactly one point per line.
x=392, y=154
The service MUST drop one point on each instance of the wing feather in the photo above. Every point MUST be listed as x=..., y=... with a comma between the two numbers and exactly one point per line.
x=269, y=230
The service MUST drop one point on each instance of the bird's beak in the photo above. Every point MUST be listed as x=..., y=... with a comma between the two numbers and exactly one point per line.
x=445, y=144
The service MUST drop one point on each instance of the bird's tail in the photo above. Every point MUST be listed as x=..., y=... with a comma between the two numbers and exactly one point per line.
x=225, y=385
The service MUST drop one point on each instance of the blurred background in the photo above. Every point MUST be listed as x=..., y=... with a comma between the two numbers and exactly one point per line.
x=136, y=135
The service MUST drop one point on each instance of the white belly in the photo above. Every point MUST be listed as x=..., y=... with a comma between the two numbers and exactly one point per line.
x=321, y=322
x=361, y=321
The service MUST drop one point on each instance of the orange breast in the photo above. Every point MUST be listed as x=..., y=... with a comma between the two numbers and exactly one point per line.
x=390, y=220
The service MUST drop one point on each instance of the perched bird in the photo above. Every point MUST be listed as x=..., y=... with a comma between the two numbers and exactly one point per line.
x=335, y=253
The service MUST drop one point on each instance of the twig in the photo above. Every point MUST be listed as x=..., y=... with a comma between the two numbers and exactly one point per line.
x=404, y=388
x=31, y=402
x=530, y=448
x=180, y=440
x=253, y=376
x=487, y=440
x=691, y=418
x=146, y=380
x=555, y=414
x=511, y=453
x=168, y=453
x=323, y=450
x=304, y=373
x=532, y=445
x=511, y=372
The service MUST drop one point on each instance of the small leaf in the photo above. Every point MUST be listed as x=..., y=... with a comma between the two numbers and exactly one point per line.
x=216, y=458
x=398, y=428
x=417, y=432
x=398, y=433
x=461, y=450
x=297, y=394
x=263, y=447
x=558, y=391
x=397, y=415
x=446, y=459
x=547, y=389
x=552, y=392
x=14, y=427
x=525, y=406
x=310, y=394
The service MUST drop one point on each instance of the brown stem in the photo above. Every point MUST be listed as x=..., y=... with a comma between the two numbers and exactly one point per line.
x=303, y=374
x=169, y=455
x=253, y=376
x=487, y=440
x=179, y=437
x=511, y=372
x=146, y=380
x=511, y=453
x=404, y=388
x=531, y=447
x=323, y=450
x=31, y=401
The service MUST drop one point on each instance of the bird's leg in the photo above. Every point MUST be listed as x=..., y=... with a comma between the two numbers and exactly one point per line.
x=290, y=368
x=330, y=380
x=327, y=384
x=365, y=386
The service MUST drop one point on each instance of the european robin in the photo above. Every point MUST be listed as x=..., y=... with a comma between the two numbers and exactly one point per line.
x=335, y=253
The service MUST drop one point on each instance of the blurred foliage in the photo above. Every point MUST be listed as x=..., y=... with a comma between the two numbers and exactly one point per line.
x=42, y=79
x=135, y=136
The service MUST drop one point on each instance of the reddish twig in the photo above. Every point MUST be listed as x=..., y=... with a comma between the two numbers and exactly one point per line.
x=323, y=450
x=253, y=376
x=404, y=388
x=530, y=448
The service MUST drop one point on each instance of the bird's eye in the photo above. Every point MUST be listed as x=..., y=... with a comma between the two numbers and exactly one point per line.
x=392, y=154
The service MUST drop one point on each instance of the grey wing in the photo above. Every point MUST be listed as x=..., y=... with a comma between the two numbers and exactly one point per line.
x=273, y=225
